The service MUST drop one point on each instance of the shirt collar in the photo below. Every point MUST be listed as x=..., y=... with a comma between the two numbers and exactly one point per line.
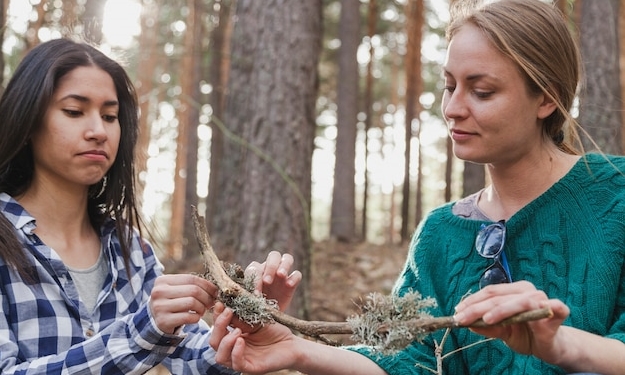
x=16, y=214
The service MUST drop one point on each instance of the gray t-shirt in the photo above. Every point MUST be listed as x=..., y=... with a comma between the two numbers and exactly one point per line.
x=468, y=209
x=89, y=281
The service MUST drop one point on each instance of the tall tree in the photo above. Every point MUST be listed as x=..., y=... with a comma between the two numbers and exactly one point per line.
x=417, y=16
x=218, y=78
x=372, y=17
x=448, y=168
x=147, y=60
x=600, y=97
x=185, y=176
x=264, y=188
x=343, y=215
x=192, y=97
x=414, y=23
x=473, y=178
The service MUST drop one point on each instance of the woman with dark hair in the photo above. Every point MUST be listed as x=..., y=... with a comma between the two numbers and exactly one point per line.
x=80, y=290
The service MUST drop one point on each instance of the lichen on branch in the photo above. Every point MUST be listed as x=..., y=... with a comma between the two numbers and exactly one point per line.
x=382, y=322
x=387, y=322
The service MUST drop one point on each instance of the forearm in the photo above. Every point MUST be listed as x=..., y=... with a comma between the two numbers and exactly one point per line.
x=587, y=352
x=319, y=359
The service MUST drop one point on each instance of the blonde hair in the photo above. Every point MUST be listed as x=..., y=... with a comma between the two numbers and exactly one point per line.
x=535, y=36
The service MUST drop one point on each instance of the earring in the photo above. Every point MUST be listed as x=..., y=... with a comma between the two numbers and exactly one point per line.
x=96, y=191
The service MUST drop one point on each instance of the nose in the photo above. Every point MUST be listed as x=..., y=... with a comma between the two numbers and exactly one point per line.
x=96, y=129
x=453, y=105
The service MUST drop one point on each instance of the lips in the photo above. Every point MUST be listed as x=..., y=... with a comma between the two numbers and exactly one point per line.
x=459, y=135
x=96, y=154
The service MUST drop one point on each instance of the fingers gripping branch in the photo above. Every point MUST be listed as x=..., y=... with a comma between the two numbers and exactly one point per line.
x=263, y=312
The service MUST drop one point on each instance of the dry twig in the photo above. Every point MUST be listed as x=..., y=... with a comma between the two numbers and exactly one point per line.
x=230, y=289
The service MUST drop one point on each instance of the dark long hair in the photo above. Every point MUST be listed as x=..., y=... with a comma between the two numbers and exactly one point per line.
x=22, y=108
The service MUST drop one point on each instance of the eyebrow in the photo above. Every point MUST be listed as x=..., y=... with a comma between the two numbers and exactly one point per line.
x=473, y=77
x=84, y=99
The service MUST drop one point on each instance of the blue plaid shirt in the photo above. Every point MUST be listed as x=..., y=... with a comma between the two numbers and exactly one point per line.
x=46, y=329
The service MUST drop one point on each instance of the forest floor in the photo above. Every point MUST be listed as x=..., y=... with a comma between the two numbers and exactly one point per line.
x=343, y=275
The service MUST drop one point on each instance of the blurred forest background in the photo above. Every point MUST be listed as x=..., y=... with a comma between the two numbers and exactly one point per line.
x=310, y=126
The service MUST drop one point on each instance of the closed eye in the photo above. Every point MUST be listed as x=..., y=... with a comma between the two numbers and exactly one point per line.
x=109, y=118
x=72, y=112
x=483, y=94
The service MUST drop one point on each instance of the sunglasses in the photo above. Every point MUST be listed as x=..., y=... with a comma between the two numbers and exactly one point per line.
x=490, y=243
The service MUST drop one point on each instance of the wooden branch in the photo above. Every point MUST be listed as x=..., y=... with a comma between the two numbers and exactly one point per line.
x=317, y=328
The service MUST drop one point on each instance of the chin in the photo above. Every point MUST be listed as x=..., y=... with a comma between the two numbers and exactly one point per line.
x=91, y=181
x=467, y=156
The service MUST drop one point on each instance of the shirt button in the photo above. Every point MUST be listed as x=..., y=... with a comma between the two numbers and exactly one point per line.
x=89, y=332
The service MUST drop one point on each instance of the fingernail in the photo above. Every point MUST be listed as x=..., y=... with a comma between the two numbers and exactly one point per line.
x=268, y=279
x=487, y=318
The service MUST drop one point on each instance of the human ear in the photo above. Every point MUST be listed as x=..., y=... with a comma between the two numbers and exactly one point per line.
x=546, y=106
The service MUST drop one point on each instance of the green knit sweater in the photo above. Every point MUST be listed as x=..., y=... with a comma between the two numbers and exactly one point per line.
x=569, y=242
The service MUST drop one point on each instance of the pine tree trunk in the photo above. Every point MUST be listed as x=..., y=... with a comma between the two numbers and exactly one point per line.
x=145, y=84
x=263, y=191
x=600, y=98
x=343, y=215
x=218, y=78
x=190, y=247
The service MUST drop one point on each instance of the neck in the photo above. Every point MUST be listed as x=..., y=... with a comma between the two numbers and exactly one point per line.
x=514, y=185
x=59, y=209
x=63, y=222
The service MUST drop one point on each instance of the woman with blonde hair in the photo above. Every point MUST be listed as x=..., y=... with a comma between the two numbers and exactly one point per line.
x=548, y=231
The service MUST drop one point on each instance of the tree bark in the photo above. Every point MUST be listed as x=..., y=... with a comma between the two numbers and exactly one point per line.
x=218, y=78
x=193, y=104
x=147, y=60
x=600, y=97
x=180, y=197
x=414, y=12
x=372, y=17
x=264, y=188
x=473, y=178
x=343, y=212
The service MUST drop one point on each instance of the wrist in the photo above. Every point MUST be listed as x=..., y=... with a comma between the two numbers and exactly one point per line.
x=564, y=349
x=305, y=354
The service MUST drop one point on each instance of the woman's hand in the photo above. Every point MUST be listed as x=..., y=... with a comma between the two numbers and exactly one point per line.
x=179, y=299
x=274, y=278
x=542, y=338
x=270, y=348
